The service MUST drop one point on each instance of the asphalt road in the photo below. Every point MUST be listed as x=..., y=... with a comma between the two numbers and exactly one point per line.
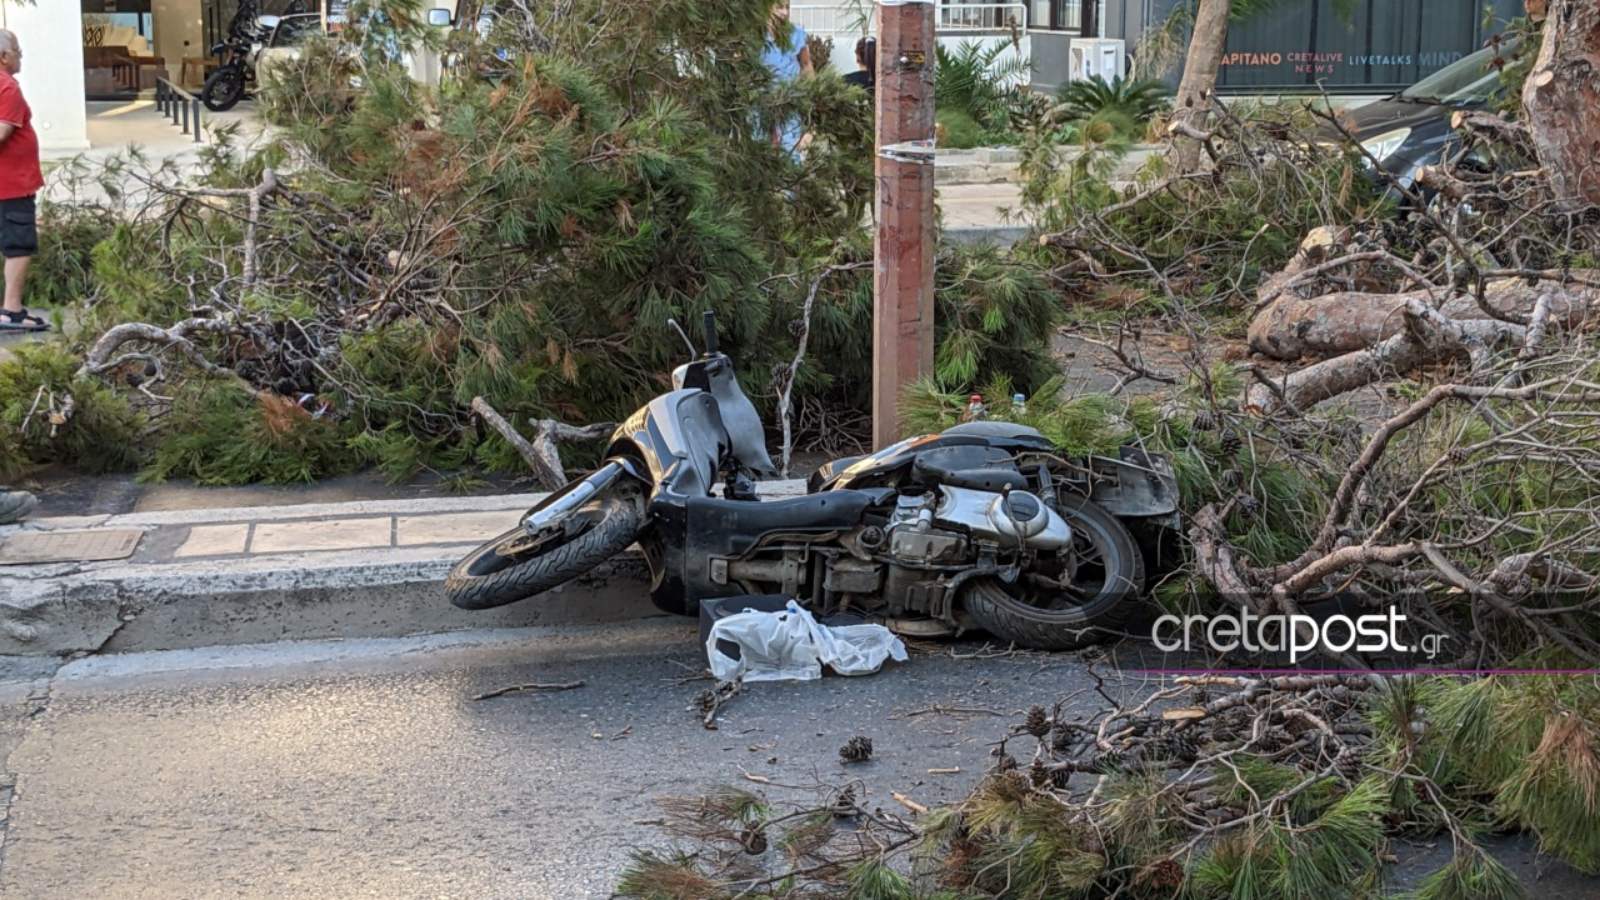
x=366, y=769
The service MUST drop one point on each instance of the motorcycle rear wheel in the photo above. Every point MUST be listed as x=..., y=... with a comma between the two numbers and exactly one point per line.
x=224, y=89
x=1111, y=576
x=500, y=572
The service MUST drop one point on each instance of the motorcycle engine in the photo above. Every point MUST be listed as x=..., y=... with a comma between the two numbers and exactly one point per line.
x=914, y=539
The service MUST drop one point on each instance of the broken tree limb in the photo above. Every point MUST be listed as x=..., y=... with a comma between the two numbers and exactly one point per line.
x=1428, y=337
x=541, y=454
x=253, y=197
x=1214, y=556
x=99, y=359
x=792, y=370
x=1293, y=327
x=1493, y=126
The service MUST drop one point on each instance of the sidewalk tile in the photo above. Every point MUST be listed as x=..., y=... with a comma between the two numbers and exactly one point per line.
x=215, y=540
x=327, y=534
x=454, y=528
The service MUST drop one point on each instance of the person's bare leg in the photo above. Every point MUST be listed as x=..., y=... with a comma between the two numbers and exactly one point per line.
x=16, y=278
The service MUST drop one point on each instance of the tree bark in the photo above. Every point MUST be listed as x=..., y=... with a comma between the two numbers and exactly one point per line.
x=1292, y=327
x=1562, y=98
x=1200, y=66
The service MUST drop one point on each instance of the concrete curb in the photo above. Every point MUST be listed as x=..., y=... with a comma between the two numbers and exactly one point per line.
x=121, y=606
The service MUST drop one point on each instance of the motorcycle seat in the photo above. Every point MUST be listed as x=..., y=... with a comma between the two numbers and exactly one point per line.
x=998, y=429
x=976, y=466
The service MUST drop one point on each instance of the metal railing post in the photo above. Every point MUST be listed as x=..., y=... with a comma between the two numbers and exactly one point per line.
x=181, y=107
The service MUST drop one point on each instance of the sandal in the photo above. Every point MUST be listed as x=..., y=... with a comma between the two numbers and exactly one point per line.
x=21, y=321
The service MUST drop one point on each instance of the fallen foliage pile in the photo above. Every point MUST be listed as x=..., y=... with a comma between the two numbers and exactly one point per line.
x=1210, y=787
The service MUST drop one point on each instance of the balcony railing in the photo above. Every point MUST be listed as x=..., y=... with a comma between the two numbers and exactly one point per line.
x=846, y=18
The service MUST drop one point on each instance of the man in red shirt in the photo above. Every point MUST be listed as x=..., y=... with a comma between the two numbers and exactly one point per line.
x=20, y=180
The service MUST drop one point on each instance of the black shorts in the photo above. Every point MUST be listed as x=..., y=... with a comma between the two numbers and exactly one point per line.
x=19, y=236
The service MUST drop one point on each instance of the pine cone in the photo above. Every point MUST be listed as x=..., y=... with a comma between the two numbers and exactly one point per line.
x=753, y=840
x=1063, y=739
x=1166, y=873
x=857, y=749
x=1204, y=420
x=1231, y=442
x=1110, y=763
x=1272, y=740
x=844, y=806
x=1038, y=722
x=706, y=700
x=1179, y=746
x=1005, y=762
x=1038, y=774
x=1349, y=765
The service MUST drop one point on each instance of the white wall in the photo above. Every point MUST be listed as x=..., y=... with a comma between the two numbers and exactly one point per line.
x=52, y=69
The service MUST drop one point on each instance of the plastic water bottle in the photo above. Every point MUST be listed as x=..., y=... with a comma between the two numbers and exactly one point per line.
x=1019, y=405
x=975, y=409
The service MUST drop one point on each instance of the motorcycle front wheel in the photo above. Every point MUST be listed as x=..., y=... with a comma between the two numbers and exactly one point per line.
x=517, y=565
x=1106, y=585
x=224, y=89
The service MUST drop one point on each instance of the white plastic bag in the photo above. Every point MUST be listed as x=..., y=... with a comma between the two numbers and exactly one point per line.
x=793, y=646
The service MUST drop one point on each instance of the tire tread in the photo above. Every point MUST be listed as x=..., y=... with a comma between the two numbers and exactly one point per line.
x=618, y=527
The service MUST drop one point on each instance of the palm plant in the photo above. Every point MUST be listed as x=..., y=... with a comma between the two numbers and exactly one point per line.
x=977, y=80
x=1138, y=100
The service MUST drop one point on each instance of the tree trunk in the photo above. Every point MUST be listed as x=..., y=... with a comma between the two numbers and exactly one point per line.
x=1562, y=97
x=1199, y=80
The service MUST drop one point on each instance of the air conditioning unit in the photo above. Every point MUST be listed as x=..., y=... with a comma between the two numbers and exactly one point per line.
x=1089, y=57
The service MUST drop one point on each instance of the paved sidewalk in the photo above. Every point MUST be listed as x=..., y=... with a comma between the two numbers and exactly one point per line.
x=194, y=534
x=201, y=577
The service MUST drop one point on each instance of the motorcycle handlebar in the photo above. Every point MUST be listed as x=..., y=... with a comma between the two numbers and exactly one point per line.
x=711, y=332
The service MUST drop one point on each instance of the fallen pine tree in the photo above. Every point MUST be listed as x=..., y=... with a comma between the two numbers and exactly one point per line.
x=391, y=254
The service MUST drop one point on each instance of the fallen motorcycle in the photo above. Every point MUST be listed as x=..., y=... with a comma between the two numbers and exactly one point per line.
x=984, y=524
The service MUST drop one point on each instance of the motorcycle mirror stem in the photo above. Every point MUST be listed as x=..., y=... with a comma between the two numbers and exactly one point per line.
x=673, y=324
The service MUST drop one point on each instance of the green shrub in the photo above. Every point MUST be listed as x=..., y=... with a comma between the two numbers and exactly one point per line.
x=63, y=269
x=101, y=433
x=958, y=130
x=221, y=435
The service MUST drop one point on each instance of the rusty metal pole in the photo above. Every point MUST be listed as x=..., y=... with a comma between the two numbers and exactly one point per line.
x=902, y=312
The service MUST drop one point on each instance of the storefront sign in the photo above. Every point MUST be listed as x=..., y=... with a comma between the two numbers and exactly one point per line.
x=1365, y=45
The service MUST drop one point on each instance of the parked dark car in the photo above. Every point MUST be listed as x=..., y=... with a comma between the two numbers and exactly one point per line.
x=1411, y=129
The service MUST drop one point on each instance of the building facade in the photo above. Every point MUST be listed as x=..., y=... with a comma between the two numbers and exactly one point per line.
x=79, y=51
x=1359, y=47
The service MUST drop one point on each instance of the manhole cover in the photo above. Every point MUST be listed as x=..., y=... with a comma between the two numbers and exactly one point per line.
x=69, y=546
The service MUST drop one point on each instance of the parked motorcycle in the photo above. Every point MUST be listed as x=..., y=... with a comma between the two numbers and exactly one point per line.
x=984, y=524
x=226, y=85
x=237, y=56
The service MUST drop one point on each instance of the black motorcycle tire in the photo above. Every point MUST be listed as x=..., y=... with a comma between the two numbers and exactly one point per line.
x=484, y=580
x=223, y=89
x=997, y=611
